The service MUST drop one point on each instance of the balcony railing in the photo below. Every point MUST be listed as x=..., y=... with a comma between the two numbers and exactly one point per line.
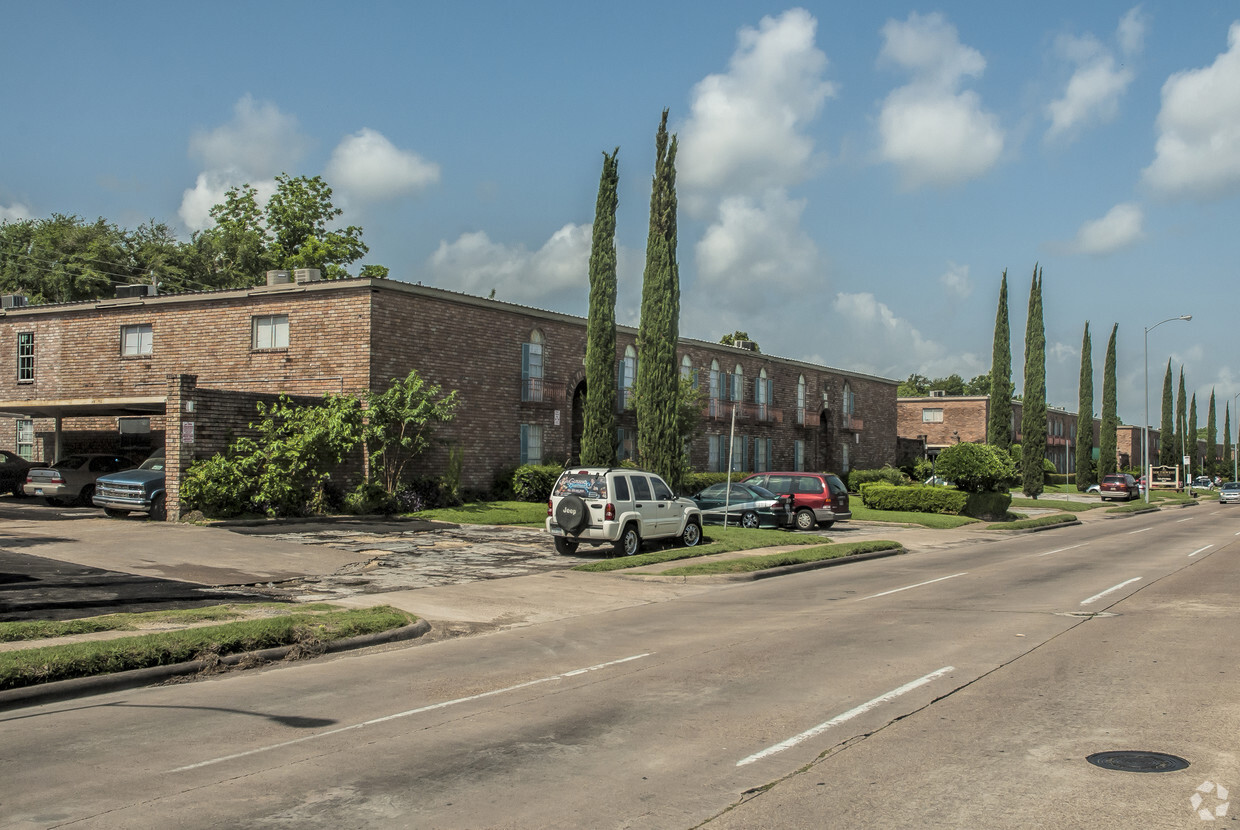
x=721, y=410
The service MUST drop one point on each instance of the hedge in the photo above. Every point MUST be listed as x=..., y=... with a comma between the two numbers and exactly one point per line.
x=889, y=474
x=534, y=482
x=914, y=499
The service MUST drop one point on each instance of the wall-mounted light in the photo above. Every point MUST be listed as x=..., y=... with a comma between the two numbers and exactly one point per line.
x=189, y=406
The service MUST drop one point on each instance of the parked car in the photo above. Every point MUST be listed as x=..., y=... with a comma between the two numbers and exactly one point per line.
x=134, y=491
x=1203, y=483
x=1119, y=486
x=72, y=478
x=621, y=507
x=1229, y=493
x=818, y=499
x=13, y=469
x=746, y=505
x=1094, y=489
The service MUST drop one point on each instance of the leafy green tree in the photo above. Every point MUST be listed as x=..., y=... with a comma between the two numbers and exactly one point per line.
x=400, y=423
x=598, y=436
x=1211, y=435
x=1167, y=444
x=374, y=272
x=659, y=330
x=999, y=423
x=917, y=386
x=975, y=468
x=291, y=231
x=738, y=337
x=1033, y=416
x=1085, y=473
x=1227, y=439
x=62, y=259
x=158, y=257
x=1107, y=439
x=952, y=385
x=979, y=385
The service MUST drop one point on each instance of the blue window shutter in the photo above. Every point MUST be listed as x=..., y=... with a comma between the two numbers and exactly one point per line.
x=525, y=384
x=525, y=443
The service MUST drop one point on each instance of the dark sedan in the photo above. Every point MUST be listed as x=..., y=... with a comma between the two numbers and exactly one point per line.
x=13, y=469
x=746, y=505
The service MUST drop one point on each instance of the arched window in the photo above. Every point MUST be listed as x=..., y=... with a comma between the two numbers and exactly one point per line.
x=801, y=399
x=628, y=376
x=848, y=404
x=738, y=383
x=762, y=394
x=532, y=367
x=686, y=368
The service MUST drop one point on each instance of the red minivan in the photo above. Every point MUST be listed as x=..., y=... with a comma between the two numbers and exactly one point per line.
x=818, y=499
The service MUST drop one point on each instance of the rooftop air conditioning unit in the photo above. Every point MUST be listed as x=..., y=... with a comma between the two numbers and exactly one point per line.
x=308, y=275
x=13, y=301
x=938, y=393
x=747, y=345
x=135, y=291
x=278, y=277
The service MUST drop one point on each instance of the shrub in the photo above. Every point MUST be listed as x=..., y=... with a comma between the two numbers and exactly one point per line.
x=975, y=468
x=697, y=482
x=914, y=499
x=889, y=474
x=923, y=469
x=991, y=507
x=369, y=497
x=217, y=486
x=533, y=483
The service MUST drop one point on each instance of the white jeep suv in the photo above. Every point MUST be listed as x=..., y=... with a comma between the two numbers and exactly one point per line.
x=620, y=507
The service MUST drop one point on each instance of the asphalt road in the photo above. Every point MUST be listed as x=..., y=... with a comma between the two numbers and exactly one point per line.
x=961, y=687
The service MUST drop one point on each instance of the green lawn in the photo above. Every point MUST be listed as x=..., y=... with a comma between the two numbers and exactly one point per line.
x=714, y=540
x=520, y=513
x=938, y=521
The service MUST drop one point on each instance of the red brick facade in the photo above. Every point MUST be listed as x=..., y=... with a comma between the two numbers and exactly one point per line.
x=350, y=335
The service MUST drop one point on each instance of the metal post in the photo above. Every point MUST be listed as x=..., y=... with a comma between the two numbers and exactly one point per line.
x=1149, y=478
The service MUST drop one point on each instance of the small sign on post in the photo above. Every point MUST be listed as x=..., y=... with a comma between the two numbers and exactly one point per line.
x=187, y=432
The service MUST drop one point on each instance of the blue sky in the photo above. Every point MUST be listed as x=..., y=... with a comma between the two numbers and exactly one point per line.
x=853, y=178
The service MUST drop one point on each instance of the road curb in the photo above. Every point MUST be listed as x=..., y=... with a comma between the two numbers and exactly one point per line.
x=86, y=686
x=1038, y=529
x=781, y=570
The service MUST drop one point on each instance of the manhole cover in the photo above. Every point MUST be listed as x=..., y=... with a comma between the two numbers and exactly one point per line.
x=1137, y=761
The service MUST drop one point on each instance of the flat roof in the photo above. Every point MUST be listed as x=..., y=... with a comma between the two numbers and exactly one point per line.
x=83, y=407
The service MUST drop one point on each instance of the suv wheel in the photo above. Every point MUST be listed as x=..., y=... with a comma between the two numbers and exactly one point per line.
x=629, y=542
x=565, y=547
x=692, y=534
x=805, y=520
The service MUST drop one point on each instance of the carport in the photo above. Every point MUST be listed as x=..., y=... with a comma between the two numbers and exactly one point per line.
x=57, y=409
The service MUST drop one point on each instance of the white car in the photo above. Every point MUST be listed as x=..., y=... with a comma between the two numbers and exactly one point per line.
x=619, y=507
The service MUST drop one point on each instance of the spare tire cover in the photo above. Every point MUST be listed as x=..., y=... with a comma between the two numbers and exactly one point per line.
x=571, y=514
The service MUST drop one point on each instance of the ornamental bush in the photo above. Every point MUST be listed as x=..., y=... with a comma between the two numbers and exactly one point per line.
x=534, y=482
x=914, y=499
x=889, y=474
x=975, y=468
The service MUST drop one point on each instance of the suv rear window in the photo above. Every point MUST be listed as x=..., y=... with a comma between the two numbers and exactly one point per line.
x=1114, y=479
x=585, y=485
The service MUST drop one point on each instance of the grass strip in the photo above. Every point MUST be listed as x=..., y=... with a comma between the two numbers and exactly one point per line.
x=28, y=667
x=1037, y=521
x=520, y=513
x=1134, y=507
x=749, y=564
x=715, y=540
x=938, y=521
x=11, y=632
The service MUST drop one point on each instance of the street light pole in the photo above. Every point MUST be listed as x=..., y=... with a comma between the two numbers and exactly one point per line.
x=1235, y=473
x=1145, y=448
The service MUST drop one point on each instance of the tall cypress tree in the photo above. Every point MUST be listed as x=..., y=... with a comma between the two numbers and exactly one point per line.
x=1166, y=430
x=1190, y=435
x=1227, y=463
x=1180, y=447
x=999, y=423
x=1211, y=436
x=658, y=381
x=1107, y=439
x=1033, y=417
x=1085, y=473
x=598, y=436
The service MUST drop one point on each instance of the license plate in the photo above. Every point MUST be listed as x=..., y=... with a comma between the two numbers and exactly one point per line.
x=556, y=530
x=38, y=491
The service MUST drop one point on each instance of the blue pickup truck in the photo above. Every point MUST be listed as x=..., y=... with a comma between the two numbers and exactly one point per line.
x=134, y=491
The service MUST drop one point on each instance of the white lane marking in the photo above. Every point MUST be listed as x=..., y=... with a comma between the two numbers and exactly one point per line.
x=918, y=585
x=1199, y=550
x=1110, y=590
x=849, y=715
x=1061, y=550
x=1189, y=519
x=1142, y=530
x=409, y=712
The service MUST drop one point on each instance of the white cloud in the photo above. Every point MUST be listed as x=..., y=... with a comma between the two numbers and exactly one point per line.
x=746, y=130
x=1120, y=228
x=1198, y=147
x=209, y=190
x=15, y=212
x=258, y=143
x=930, y=129
x=368, y=167
x=756, y=245
x=956, y=280
x=476, y=265
x=895, y=348
x=1098, y=82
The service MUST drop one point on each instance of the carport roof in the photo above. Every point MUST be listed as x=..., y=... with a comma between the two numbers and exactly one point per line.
x=83, y=407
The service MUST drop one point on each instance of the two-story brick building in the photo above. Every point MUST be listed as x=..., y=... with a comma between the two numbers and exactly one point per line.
x=138, y=373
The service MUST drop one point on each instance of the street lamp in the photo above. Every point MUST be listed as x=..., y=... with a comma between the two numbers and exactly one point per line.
x=1235, y=473
x=1145, y=448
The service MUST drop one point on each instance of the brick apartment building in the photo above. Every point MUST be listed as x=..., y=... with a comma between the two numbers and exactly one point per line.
x=184, y=371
